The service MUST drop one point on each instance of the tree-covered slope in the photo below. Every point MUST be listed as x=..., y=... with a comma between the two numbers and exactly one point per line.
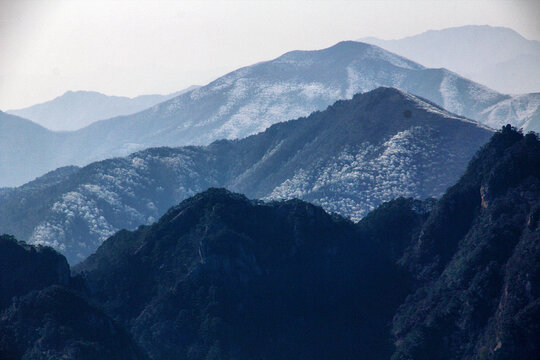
x=56, y=323
x=24, y=268
x=349, y=159
x=223, y=277
x=251, y=99
x=43, y=317
x=476, y=262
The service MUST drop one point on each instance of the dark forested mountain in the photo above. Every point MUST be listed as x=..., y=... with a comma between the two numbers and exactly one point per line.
x=476, y=262
x=495, y=56
x=223, y=277
x=250, y=99
x=42, y=317
x=24, y=268
x=77, y=109
x=285, y=280
x=348, y=158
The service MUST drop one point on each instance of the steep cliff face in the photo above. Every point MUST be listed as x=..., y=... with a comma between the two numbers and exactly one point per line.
x=476, y=262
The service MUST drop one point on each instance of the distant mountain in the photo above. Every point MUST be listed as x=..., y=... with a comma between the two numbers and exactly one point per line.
x=518, y=75
x=77, y=109
x=495, y=56
x=43, y=317
x=251, y=99
x=348, y=158
x=26, y=149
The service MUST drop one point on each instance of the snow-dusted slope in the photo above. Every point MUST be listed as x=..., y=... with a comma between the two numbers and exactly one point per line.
x=348, y=158
x=250, y=99
x=524, y=108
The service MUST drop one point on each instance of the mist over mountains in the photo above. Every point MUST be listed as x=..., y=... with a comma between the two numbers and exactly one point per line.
x=497, y=57
x=26, y=149
x=342, y=203
x=349, y=159
x=250, y=99
x=77, y=109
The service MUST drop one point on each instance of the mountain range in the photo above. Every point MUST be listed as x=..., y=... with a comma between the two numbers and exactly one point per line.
x=494, y=56
x=349, y=159
x=77, y=109
x=251, y=99
x=223, y=277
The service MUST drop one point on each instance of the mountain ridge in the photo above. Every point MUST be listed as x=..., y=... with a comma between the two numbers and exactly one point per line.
x=485, y=54
x=220, y=276
x=74, y=110
x=465, y=271
x=349, y=158
x=241, y=253
x=252, y=98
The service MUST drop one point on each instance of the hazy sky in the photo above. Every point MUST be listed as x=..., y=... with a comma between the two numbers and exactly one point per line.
x=138, y=47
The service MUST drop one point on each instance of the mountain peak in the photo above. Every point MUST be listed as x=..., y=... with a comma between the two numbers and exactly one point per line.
x=211, y=195
x=224, y=204
x=385, y=91
x=392, y=95
x=76, y=109
x=347, y=51
x=347, y=159
x=72, y=93
x=384, y=94
x=25, y=267
x=474, y=30
x=461, y=31
x=351, y=44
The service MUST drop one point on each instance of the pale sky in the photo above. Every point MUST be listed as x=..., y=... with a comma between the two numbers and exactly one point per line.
x=134, y=47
